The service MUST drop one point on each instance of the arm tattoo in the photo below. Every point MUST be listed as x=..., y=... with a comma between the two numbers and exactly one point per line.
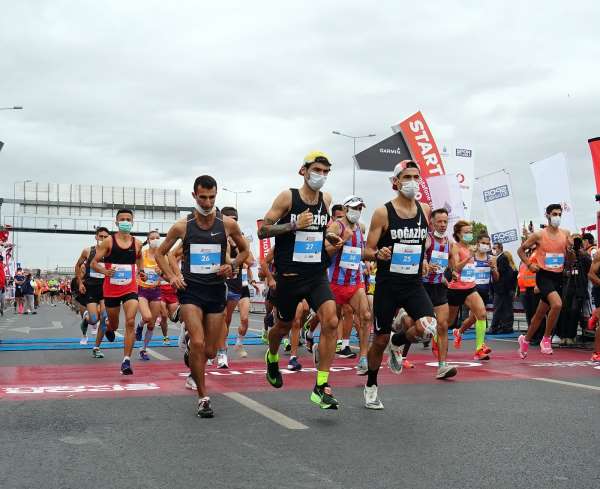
x=270, y=229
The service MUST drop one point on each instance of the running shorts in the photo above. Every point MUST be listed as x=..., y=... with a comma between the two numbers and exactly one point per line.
x=168, y=294
x=457, y=297
x=596, y=296
x=232, y=296
x=291, y=290
x=93, y=294
x=548, y=282
x=245, y=292
x=390, y=296
x=151, y=294
x=343, y=293
x=484, y=293
x=19, y=292
x=438, y=293
x=271, y=295
x=211, y=299
x=117, y=301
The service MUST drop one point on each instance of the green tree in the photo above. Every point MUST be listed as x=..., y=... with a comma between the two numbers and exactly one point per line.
x=478, y=228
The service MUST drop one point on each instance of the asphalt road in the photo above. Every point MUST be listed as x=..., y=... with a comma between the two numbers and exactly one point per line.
x=69, y=421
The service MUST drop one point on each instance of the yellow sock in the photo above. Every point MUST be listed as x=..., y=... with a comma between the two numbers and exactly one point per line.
x=322, y=377
x=273, y=358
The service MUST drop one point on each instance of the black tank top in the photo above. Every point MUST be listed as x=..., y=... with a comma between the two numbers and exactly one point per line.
x=408, y=237
x=120, y=256
x=204, y=252
x=303, y=251
x=88, y=279
x=235, y=284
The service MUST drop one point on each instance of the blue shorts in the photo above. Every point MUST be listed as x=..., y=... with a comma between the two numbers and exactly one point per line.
x=232, y=296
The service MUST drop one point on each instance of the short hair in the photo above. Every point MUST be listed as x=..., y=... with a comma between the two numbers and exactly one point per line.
x=483, y=235
x=553, y=207
x=336, y=207
x=441, y=210
x=457, y=227
x=588, y=237
x=499, y=245
x=229, y=211
x=102, y=228
x=205, y=181
x=124, y=211
x=151, y=232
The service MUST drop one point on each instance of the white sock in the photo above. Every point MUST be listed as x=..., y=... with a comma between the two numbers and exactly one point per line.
x=345, y=343
x=126, y=358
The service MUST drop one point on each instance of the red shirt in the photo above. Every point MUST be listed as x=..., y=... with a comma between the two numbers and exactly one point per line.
x=2, y=276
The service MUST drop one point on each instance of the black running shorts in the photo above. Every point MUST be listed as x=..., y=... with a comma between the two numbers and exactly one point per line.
x=457, y=297
x=93, y=294
x=548, y=282
x=211, y=299
x=292, y=289
x=117, y=301
x=390, y=296
x=438, y=293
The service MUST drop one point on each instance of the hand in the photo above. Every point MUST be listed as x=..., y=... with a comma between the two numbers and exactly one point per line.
x=533, y=267
x=109, y=272
x=384, y=253
x=81, y=288
x=271, y=283
x=426, y=268
x=347, y=234
x=304, y=219
x=225, y=270
x=256, y=287
x=335, y=240
x=455, y=275
x=177, y=282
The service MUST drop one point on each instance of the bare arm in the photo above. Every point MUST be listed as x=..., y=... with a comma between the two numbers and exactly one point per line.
x=233, y=231
x=280, y=206
x=139, y=263
x=82, y=259
x=177, y=231
x=102, y=250
x=333, y=229
x=593, y=273
x=376, y=229
x=527, y=244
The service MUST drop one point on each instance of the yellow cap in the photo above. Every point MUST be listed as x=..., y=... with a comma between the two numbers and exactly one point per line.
x=315, y=157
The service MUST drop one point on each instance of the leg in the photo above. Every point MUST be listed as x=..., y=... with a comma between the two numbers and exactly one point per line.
x=193, y=318
x=540, y=314
x=130, y=308
x=360, y=306
x=467, y=323
x=442, y=314
x=555, y=305
x=477, y=307
x=329, y=323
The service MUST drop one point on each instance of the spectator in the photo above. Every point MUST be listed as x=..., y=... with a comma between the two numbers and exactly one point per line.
x=19, y=296
x=2, y=285
x=28, y=294
x=504, y=291
x=588, y=244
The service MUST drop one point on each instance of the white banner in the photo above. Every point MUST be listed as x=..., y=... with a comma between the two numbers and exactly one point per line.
x=445, y=192
x=551, y=178
x=459, y=159
x=500, y=210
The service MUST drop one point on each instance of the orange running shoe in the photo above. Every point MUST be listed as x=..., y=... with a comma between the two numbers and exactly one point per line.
x=481, y=355
x=486, y=349
x=596, y=357
x=408, y=364
x=457, y=338
x=592, y=323
x=434, y=347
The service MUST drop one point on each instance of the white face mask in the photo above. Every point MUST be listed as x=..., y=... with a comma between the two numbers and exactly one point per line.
x=154, y=243
x=353, y=215
x=409, y=189
x=439, y=235
x=315, y=180
x=202, y=211
x=484, y=248
x=555, y=221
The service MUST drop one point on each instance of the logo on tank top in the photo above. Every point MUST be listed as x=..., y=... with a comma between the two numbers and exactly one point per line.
x=319, y=221
x=409, y=235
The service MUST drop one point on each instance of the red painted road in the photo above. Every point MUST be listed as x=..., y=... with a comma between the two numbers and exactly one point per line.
x=158, y=378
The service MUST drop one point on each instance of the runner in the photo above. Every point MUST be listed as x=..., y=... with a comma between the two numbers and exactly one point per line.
x=396, y=239
x=2, y=285
x=594, y=324
x=298, y=220
x=551, y=248
x=346, y=277
x=19, y=280
x=201, y=282
x=149, y=293
x=267, y=269
x=90, y=290
x=462, y=289
x=53, y=286
x=122, y=263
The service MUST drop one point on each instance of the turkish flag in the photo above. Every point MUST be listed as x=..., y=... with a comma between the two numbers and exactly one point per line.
x=595, y=150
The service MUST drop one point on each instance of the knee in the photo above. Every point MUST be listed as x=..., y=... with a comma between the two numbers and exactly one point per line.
x=197, y=345
x=365, y=317
x=330, y=323
x=380, y=341
x=556, y=306
x=146, y=318
x=130, y=323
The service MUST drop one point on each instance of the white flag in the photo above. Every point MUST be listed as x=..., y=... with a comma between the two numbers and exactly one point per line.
x=459, y=159
x=445, y=192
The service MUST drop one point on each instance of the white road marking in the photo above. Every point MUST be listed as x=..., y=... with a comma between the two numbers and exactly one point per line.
x=570, y=384
x=267, y=412
x=149, y=351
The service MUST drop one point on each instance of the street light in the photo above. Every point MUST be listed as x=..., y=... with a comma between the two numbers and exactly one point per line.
x=15, y=235
x=16, y=107
x=354, y=138
x=237, y=192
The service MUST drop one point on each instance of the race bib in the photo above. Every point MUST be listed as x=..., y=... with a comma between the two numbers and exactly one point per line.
x=467, y=274
x=308, y=246
x=439, y=258
x=123, y=274
x=554, y=261
x=350, y=257
x=95, y=274
x=205, y=258
x=482, y=275
x=244, y=277
x=406, y=259
x=151, y=276
x=372, y=279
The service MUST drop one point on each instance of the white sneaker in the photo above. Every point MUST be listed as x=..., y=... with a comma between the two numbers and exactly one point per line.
x=371, y=399
x=83, y=341
x=397, y=322
x=395, y=357
x=190, y=383
x=446, y=371
x=222, y=361
x=209, y=362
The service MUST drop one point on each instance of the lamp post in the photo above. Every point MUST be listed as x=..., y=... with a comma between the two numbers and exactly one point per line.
x=16, y=107
x=354, y=138
x=237, y=192
x=16, y=236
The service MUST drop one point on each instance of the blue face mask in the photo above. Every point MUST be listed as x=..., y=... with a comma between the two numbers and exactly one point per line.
x=125, y=226
x=468, y=237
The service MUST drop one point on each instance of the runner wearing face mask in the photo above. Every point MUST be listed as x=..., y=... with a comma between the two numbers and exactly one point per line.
x=345, y=272
x=552, y=244
x=122, y=264
x=298, y=220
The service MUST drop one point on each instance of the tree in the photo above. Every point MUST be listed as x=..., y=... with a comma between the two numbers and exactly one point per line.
x=478, y=228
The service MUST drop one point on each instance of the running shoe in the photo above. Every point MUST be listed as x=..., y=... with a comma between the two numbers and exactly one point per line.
x=176, y=316
x=345, y=352
x=83, y=326
x=480, y=354
x=338, y=346
x=457, y=338
x=445, y=372
x=596, y=357
x=397, y=322
x=310, y=342
x=265, y=337
x=190, y=383
x=110, y=335
x=592, y=323
x=371, y=399
x=166, y=340
x=394, y=358
x=316, y=354
x=139, y=329
x=204, y=408
x=144, y=355
x=209, y=362
x=323, y=396
x=523, y=346
x=126, y=367
x=434, y=348
x=407, y=364
x=362, y=366
x=222, y=361
x=96, y=353
x=287, y=346
x=486, y=349
x=241, y=351
x=546, y=345
x=294, y=365
x=426, y=343
x=83, y=341
x=273, y=374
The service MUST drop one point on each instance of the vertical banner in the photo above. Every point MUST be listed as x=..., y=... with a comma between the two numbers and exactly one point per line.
x=500, y=210
x=264, y=245
x=446, y=193
x=423, y=149
x=551, y=178
x=459, y=159
x=595, y=150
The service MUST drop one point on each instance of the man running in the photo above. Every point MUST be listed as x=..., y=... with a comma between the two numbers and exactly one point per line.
x=122, y=264
x=2, y=285
x=551, y=244
x=298, y=220
x=90, y=289
x=396, y=239
x=594, y=324
x=201, y=281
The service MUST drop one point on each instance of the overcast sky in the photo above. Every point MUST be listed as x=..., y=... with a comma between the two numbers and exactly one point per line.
x=148, y=93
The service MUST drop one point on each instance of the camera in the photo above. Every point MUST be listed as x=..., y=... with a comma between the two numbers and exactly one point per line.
x=577, y=243
x=597, y=197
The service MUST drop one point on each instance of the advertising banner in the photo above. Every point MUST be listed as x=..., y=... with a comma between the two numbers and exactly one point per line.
x=264, y=245
x=446, y=193
x=595, y=150
x=459, y=160
x=384, y=155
